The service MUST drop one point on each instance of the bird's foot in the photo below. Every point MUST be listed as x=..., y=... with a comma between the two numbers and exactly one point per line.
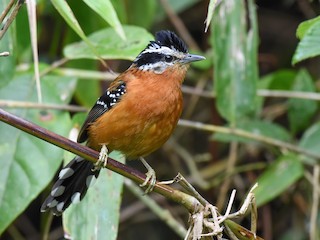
x=103, y=158
x=150, y=177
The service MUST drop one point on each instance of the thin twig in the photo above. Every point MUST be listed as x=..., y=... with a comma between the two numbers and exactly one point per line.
x=289, y=94
x=12, y=16
x=260, y=93
x=309, y=178
x=6, y=10
x=80, y=73
x=46, y=229
x=31, y=8
x=179, y=25
x=199, y=92
x=194, y=99
x=315, y=204
x=229, y=206
x=187, y=157
x=306, y=8
x=86, y=74
x=155, y=208
x=53, y=66
x=247, y=202
x=14, y=233
x=249, y=135
x=186, y=185
x=21, y=104
x=230, y=169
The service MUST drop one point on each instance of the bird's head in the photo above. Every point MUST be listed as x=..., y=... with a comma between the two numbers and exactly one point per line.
x=168, y=50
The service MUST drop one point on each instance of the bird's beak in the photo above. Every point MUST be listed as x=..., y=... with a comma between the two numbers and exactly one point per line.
x=191, y=58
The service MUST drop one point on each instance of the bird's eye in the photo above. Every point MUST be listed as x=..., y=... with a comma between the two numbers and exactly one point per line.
x=168, y=58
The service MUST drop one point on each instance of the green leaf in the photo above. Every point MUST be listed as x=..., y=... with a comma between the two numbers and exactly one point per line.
x=258, y=127
x=87, y=92
x=279, y=80
x=28, y=164
x=110, y=45
x=298, y=121
x=305, y=26
x=66, y=12
x=105, y=9
x=311, y=139
x=97, y=215
x=279, y=176
x=212, y=6
x=309, y=45
x=235, y=60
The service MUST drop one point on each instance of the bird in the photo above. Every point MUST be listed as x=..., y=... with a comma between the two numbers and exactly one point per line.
x=135, y=115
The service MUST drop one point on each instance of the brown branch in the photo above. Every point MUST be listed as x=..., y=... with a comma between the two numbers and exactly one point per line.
x=189, y=202
x=6, y=10
x=10, y=19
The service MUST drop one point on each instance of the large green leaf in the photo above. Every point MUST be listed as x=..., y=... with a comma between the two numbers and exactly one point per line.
x=235, y=59
x=300, y=111
x=97, y=215
x=110, y=45
x=28, y=164
x=105, y=9
x=309, y=45
x=280, y=175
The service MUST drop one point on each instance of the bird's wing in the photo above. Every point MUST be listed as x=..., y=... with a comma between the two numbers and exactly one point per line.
x=111, y=97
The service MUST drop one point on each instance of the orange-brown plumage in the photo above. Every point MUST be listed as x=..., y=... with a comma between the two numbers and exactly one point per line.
x=136, y=115
x=146, y=115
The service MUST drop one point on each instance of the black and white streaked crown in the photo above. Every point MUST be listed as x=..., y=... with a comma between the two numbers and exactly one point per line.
x=168, y=39
x=164, y=51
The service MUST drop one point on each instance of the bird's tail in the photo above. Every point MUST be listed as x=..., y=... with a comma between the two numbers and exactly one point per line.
x=71, y=186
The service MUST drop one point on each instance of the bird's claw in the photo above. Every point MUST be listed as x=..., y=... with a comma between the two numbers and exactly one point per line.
x=150, y=181
x=150, y=177
x=103, y=159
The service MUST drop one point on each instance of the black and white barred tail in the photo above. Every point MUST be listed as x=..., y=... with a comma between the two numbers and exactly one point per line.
x=71, y=186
